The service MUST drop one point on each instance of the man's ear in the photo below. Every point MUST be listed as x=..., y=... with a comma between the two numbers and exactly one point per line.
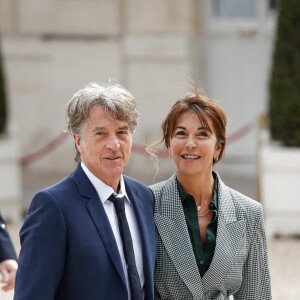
x=78, y=142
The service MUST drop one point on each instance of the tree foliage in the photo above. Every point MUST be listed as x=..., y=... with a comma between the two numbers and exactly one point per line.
x=3, y=107
x=284, y=88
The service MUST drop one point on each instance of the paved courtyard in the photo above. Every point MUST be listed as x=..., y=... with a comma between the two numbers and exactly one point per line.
x=284, y=264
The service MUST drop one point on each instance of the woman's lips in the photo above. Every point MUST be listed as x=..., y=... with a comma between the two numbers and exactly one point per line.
x=190, y=156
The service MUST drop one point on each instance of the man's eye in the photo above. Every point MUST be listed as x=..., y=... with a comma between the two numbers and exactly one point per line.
x=99, y=133
x=122, y=132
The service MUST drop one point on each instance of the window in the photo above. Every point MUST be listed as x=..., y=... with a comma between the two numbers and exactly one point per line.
x=234, y=8
x=273, y=4
x=273, y=7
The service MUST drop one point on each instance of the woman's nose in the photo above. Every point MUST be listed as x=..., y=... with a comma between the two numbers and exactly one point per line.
x=190, y=143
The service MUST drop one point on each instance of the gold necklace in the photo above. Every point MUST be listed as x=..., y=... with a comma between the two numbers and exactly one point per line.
x=198, y=211
x=200, y=206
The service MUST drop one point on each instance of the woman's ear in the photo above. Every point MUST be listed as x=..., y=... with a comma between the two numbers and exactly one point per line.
x=170, y=153
x=218, y=150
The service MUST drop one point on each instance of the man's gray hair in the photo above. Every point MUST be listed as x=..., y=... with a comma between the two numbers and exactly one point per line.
x=112, y=97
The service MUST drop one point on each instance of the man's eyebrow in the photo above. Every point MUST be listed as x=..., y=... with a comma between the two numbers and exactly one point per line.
x=104, y=128
x=99, y=128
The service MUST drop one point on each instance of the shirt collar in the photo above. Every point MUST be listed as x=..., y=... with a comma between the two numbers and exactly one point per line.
x=214, y=202
x=104, y=191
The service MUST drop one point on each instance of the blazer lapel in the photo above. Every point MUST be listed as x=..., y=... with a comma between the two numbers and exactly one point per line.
x=230, y=234
x=171, y=226
x=100, y=219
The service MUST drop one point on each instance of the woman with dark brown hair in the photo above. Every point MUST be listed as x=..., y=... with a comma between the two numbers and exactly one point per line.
x=210, y=238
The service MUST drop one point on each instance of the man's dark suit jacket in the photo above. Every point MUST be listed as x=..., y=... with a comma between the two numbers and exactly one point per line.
x=68, y=248
x=7, y=250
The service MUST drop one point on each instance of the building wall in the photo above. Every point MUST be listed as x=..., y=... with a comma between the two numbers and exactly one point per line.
x=238, y=58
x=53, y=47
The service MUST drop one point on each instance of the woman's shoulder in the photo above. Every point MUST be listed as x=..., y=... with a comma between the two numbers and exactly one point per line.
x=237, y=197
x=245, y=208
x=244, y=201
x=168, y=185
x=157, y=188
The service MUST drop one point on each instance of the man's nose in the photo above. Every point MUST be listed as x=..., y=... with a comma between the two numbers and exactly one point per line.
x=113, y=143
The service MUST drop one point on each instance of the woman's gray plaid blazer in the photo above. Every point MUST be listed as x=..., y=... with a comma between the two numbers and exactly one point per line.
x=240, y=263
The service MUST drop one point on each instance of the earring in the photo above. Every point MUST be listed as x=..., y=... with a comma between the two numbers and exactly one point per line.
x=216, y=159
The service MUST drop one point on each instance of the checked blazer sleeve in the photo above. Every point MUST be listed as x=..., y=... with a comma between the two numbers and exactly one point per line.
x=256, y=277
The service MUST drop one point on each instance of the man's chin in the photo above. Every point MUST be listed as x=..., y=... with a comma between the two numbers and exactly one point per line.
x=114, y=171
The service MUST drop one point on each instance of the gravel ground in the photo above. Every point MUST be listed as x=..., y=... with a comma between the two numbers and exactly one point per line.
x=284, y=266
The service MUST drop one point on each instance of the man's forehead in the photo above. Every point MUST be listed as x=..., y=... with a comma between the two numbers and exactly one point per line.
x=116, y=125
x=105, y=124
x=99, y=117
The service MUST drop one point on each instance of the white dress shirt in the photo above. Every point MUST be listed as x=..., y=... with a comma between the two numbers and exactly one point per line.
x=104, y=191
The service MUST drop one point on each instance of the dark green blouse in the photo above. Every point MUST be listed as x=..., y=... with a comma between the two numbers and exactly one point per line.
x=203, y=252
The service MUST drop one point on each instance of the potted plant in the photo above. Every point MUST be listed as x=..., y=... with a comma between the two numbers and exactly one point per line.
x=10, y=184
x=280, y=154
x=3, y=107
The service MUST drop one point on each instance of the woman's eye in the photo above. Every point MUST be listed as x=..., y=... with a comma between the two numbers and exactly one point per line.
x=99, y=133
x=203, y=134
x=180, y=133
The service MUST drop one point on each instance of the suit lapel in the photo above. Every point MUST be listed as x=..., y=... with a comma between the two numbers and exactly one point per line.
x=99, y=218
x=230, y=233
x=170, y=222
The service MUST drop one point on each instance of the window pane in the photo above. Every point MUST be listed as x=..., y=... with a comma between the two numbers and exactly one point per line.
x=234, y=8
x=273, y=4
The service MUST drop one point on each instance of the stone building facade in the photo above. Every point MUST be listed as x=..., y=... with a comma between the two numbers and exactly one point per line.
x=53, y=47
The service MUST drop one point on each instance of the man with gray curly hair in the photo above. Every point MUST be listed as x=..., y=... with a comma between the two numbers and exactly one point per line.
x=91, y=236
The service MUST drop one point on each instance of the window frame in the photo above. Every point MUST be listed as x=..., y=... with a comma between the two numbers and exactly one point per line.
x=264, y=20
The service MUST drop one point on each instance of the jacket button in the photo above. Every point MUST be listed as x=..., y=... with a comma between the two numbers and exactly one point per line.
x=201, y=262
x=3, y=226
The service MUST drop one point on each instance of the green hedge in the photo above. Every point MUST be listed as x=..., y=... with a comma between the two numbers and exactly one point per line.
x=284, y=89
x=3, y=108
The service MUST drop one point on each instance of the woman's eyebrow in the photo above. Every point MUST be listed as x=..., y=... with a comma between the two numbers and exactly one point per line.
x=199, y=128
x=204, y=128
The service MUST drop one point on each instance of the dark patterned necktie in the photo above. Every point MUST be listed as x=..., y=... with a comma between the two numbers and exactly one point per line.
x=134, y=280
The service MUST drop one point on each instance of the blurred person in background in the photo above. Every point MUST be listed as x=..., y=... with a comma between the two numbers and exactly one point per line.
x=92, y=236
x=8, y=258
x=210, y=238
